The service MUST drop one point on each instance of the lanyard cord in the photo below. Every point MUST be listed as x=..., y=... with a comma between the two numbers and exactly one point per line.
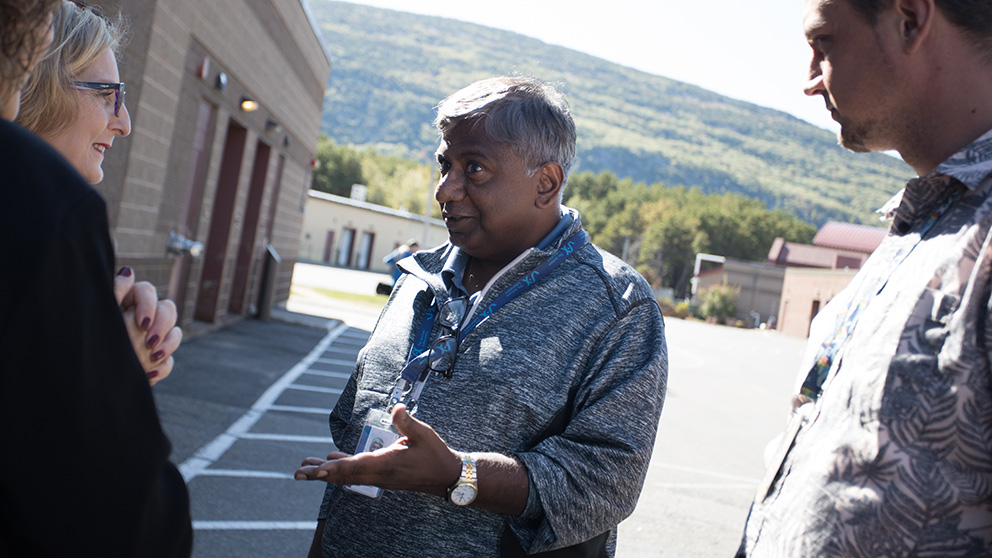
x=813, y=384
x=411, y=380
x=575, y=242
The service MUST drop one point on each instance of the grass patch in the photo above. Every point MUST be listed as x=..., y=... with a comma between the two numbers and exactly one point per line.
x=372, y=300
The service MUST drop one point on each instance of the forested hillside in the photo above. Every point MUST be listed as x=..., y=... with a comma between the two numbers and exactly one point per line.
x=391, y=68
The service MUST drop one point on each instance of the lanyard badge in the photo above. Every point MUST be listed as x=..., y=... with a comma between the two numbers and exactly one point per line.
x=378, y=431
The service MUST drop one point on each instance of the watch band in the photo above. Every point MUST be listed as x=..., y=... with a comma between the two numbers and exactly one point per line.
x=469, y=472
x=464, y=491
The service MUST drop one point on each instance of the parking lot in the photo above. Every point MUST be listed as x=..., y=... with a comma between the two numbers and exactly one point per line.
x=246, y=403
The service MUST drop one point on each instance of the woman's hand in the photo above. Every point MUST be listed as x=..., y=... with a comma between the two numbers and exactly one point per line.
x=151, y=324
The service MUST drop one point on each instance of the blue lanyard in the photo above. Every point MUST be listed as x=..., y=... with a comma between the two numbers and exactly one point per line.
x=423, y=339
x=414, y=374
x=574, y=242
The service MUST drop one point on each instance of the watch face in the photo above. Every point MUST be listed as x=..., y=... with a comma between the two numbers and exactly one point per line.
x=463, y=494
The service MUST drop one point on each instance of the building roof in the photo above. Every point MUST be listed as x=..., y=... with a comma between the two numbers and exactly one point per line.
x=848, y=236
x=801, y=255
x=372, y=207
x=315, y=25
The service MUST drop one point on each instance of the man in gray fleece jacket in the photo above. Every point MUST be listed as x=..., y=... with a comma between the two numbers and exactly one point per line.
x=536, y=437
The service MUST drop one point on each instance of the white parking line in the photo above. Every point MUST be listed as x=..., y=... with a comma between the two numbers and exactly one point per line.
x=212, y=451
x=328, y=374
x=334, y=374
x=245, y=474
x=337, y=361
x=318, y=389
x=287, y=438
x=343, y=352
x=254, y=525
x=293, y=409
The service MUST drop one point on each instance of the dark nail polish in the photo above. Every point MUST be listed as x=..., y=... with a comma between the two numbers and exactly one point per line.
x=144, y=326
x=125, y=271
x=158, y=356
x=153, y=341
x=152, y=375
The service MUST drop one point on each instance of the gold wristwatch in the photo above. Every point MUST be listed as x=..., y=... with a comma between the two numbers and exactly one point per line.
x=463, y=492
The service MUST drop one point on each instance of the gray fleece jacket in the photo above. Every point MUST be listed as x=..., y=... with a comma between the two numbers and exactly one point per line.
x=583, y=349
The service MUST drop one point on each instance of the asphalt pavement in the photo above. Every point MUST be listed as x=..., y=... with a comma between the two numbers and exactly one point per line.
x=246, y=403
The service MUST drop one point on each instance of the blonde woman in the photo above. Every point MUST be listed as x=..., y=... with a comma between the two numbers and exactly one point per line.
x=74, y=100
x=85, y=466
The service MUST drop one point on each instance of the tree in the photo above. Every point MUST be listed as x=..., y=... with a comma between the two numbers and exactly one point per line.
x=663, y=228
x=338, y=168
x=392, y=181
x=671, y=239
x=404, y=185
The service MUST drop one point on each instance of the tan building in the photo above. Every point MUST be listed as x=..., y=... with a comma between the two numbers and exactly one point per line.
x=351, y=233
x=839, y=250
x=760, y=284
x=798, y=280
x=804, y=292
x=225, y=98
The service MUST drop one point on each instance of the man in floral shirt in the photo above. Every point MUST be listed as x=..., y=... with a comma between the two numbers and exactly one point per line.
x=889, y=450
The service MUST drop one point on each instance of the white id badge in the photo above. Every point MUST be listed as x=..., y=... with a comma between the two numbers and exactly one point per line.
x=377, y=433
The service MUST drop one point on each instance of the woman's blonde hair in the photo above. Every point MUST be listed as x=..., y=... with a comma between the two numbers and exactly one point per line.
x=81, y=35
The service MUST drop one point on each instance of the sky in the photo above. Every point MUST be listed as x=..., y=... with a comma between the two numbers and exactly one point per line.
x=748, y=50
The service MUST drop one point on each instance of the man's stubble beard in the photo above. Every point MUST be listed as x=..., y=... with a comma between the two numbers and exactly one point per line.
x=856, y=137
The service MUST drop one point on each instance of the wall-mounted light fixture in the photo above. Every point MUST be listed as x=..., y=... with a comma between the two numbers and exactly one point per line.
x=271, y=125
x=221, y=83
x=248, y=104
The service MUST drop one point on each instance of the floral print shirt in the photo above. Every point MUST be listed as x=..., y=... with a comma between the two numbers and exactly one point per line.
x=895, y=457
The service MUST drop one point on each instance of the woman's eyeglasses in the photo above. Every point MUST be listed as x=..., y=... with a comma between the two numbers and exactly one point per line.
x=442, y=354
x=104, y=86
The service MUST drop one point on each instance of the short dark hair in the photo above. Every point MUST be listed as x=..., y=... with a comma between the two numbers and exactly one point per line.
x=973, y=17
x=870, y=8
x=21, y=25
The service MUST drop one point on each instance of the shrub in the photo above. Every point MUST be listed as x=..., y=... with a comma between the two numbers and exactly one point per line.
x=719, y=301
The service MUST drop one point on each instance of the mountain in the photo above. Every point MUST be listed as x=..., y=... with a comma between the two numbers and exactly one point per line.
x=390, y=69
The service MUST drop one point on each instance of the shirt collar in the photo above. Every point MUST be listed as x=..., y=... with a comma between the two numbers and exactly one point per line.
x=970, y=166
x=454, y=266
x=566, y=220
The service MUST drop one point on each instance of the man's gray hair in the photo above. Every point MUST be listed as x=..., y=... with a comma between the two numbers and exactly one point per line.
x=527, y=114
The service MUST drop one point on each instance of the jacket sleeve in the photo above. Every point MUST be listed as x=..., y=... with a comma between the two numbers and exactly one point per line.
x=339, y=418
x=86, y=461
x=587, y=479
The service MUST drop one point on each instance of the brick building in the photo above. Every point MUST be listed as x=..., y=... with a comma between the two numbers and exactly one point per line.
x=225, y=98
